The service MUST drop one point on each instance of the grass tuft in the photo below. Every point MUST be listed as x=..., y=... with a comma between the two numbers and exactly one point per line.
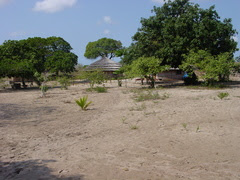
x=222, y=95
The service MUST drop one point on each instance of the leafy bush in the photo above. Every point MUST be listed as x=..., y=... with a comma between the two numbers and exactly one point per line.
x=212, y=68
x=100, y=89
x=82, y=102
x=94, y=77
x=223, y=95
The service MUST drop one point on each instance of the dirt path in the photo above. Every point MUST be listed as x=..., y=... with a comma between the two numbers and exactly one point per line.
x=191, y=134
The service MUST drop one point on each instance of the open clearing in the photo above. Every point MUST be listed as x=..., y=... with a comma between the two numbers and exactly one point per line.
x=189, y=134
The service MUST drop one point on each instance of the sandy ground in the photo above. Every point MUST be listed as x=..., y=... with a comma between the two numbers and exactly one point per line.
x=192, y=134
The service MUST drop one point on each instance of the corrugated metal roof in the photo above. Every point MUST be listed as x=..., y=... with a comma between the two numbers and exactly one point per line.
x=105, y=64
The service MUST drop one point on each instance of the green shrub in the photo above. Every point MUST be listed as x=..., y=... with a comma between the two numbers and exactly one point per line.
x=44, y=89
x=64, y=82
x=98, y=89
x=82, y=102
x=223, y=95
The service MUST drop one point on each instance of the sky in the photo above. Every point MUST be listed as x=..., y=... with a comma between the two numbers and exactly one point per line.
x=82, y=21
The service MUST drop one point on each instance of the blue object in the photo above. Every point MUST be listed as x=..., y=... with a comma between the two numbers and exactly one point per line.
x=185, y=75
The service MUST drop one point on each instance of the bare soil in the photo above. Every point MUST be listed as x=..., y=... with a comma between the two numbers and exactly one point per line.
x=192, y=134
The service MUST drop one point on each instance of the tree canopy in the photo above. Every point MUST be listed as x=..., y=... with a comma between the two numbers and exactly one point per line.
x=176, y=28
x=104, y=47
x=25, y=57
x=211, y=68
x=146, y=67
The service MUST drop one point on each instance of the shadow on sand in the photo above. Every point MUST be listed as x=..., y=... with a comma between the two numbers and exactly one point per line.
x=32, y=169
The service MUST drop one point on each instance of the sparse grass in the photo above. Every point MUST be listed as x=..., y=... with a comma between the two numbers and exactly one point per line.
x=97, y=89
x=124, y=120
x=83, y=103
x=133, y=127
x=197, y=130
x=222, y=95
x=165, y=96
x=144, y=96
x=203, y=86
x=139, y=108
x=184, y=125
x=150, y=113
x=64, y=82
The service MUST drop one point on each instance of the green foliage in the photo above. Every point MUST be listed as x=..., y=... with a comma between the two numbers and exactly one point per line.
x=44, y=89
x=83, y=102
x=104, y=47
x=64, y=82
x=197, y=130
x=237, y=59
x=236, y=67
x=25, y=57
x=222, y=95
x=212, y=68
x=94, y=77
x=177, y=27
x=184, y=125
x=145, y=67
x=133, y=127
x=98, y=89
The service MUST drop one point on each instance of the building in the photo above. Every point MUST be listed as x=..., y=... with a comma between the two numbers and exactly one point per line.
x=108, y=66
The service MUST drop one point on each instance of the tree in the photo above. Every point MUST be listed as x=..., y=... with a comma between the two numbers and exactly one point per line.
x=146, y=67
x=25, y=57
x=180, y=26
x=237, y=59
x=96, y=76
x=211, y=68
x=14, y=60
x=104, y=47
x=61, y=61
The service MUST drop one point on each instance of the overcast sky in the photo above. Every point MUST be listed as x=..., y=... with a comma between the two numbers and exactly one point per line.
x=82, y=21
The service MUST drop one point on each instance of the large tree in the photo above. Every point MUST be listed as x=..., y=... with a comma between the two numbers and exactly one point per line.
x=178, y=27
x=25, y=57
x=104, y=47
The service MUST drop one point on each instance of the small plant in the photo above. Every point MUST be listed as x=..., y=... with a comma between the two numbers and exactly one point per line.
x=44, y=89
x=100, y=89
x=83, y=103
x=184, y=125
x=124, y=120
x=223, y=95
x=97, y=89
x=165, y=96
x=197, y=129
x=133, y=127
x=64, y=82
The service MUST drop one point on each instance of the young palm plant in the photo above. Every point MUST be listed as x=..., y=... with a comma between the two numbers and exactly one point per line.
x=83, y=103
